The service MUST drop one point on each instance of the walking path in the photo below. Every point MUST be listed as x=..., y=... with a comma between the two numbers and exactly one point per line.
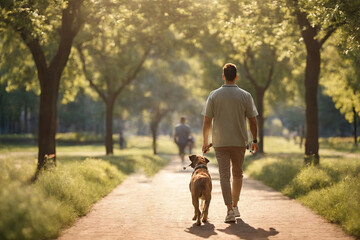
x=161, y=208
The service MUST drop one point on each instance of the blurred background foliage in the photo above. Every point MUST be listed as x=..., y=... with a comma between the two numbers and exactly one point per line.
x=135, y=67
x=150, y=62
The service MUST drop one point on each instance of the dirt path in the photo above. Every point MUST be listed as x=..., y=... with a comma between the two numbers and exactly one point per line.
x=160, y=208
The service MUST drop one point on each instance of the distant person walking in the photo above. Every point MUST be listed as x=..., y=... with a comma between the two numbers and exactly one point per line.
x=227, y=108
x=181, y=136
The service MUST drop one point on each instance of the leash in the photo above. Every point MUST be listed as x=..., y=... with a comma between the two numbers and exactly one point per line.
x=204, y=153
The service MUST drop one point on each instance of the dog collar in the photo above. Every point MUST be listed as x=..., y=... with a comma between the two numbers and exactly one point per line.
x=199, y=166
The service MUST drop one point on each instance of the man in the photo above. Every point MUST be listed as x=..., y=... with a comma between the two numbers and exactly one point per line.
x=228, y=107
x=181, y=135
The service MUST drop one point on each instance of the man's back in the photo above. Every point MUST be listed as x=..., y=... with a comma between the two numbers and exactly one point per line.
x=182, y=132
x=229, y=106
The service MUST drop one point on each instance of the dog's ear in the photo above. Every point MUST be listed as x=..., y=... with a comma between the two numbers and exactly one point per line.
x=192, y=157
x=207, y=160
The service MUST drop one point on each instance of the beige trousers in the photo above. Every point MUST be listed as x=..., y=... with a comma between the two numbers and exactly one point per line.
x=224, y=156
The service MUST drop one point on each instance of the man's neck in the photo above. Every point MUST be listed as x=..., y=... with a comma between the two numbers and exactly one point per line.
x=229, y=82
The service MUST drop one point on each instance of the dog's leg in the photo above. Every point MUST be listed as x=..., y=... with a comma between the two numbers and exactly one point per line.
x=197, y=216
x=206, y=208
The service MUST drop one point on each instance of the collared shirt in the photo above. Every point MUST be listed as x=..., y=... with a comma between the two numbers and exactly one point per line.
x=229, y=106
x=182, y=131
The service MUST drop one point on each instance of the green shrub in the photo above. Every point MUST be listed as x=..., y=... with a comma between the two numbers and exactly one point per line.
x=59, y=196
x=273, y=172
x=308, y=179
x=338, y=203
x=27, y=214
x=78, y=137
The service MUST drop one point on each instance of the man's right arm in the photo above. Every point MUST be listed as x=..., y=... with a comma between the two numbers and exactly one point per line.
x=175, y=137
x=206, y=130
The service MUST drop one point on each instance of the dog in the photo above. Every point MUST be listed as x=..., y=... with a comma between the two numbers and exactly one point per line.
x=200, y=187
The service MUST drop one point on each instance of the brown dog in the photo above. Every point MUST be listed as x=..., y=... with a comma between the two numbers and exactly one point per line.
x=200, y=187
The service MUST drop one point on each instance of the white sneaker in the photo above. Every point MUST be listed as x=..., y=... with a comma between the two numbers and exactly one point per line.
x=236, y=212
x=230, y=217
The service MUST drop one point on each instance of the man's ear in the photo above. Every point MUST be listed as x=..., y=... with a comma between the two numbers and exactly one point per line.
x=207, y=160
x=192, y=157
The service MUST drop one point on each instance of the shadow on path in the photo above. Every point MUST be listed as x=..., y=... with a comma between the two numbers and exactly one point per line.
x=204, y=231
x=245, y=231
x=239, y=229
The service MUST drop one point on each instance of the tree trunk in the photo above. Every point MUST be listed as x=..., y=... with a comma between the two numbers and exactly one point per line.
x=355, y=127
x=260, y=92
x=313, y=45
x=47, y=119
x=109, y=126
x=311, y=87
x=50, y=82
x=25, y=119
x=154, y=127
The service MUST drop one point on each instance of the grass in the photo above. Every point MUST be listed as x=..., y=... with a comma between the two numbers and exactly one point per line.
x=64, y=193
x=84, y=175
x=345, y=144
x=331, y=189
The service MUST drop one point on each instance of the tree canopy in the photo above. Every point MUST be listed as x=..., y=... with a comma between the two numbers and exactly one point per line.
x=122, y=59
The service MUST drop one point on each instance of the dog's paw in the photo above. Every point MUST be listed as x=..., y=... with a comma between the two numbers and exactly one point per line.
x=204, y=220
x=198, y=223
x=194, y=218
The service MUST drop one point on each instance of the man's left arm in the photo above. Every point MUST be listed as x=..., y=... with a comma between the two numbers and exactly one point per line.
x=253, y=130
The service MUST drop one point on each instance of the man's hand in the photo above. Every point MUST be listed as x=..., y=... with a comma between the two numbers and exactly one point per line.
x=205, y=148
x=254, y=148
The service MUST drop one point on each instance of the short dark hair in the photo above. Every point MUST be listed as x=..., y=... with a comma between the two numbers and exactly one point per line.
x=230, y=71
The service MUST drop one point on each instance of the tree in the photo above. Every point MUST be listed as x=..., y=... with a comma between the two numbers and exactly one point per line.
x=342, y=83
x=113, y=51
x=260, y=35
x=166, y=88
x=126, y=34
x=43, y=25
x=318, y=20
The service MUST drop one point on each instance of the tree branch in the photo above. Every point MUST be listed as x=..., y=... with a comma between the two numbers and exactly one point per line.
x=38, y=56
x=248, y=74
x=87, y=76
x=67, y=34
x=135, y=72
x=270, y=74
x=271, y=70
x=105, y=74
x=328, y=34
x=302, y=19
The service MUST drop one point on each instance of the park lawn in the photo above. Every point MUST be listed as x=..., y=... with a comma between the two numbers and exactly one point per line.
x=344, y=144
x=83, y=176
x=331, y=189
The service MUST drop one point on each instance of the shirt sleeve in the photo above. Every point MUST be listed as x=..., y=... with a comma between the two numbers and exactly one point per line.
x=251, y=110
x=208, y=110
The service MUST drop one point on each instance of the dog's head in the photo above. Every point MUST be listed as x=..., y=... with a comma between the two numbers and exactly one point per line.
x=197, y=159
